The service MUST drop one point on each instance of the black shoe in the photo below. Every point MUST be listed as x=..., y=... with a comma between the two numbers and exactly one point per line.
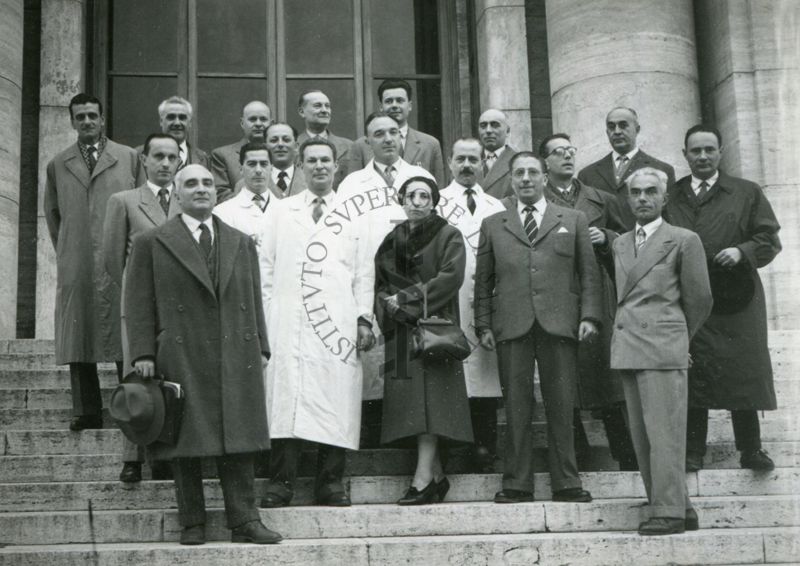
x=273, y=500
x=416, y=497
x=513, y=496
x=694, y=462
x=572, y=495
x=84, y=422
x=658, y=526
x=757, y=460
x=692, y=521
x=255, y=532
x=628, y=464
x=442, y=487
x=338, y=499
x=160, y=470
x=482, y=460
x=193, y=535
x=131, y=472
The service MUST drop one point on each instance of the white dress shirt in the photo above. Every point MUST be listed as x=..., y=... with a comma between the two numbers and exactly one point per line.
x=155, y=188
x=630, y=155
x=183, y=152
x=194, y=226
x=289, y=175
x=649, y=228
x=538, y=210
x=710, y=181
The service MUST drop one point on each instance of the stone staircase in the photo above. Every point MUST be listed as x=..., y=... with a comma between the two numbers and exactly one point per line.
x=60, y=502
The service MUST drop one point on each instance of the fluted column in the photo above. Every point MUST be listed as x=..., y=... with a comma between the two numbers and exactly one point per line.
x=11, y=31
x=503, y=64
x=62, y=77
x=607, y=53
x=749, y=54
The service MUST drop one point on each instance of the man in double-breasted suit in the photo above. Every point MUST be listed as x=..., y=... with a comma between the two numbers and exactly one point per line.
x=224, y=161
x=175, y=119
x=80, y=180
x=609, y=173
x=537, y=295
x=599, y=388
x=286, y=179
x=315, y=109
x=129, y=214
x=193, y=298
x=663, y=297
x=493, y=130
x=416, y=148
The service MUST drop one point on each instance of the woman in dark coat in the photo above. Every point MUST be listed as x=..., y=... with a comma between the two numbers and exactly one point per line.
x=422, y=398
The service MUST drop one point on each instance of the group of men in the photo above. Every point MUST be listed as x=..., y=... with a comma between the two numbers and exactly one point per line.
x=202, y=266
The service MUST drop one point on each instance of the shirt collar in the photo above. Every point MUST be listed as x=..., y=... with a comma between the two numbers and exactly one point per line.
x=194, y=224
x=711, y=181
x=496, y=152
x=155, y=188
x=650, y=227
x=323, y=134
x=404, y=131
x=630, y=155
x=382, y=168
x=309, y=197
x=247, y=197
x=540, y=206
x=184, y=149
x=476, y=188
x=289, y=174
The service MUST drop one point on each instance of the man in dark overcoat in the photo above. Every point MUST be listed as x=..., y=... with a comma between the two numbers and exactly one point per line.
x=80, y=181
x=739, y=231
x=599, y=387
x=193, y=298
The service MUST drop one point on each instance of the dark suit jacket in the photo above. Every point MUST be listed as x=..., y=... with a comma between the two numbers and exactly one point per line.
x=663, y=297
x=421, y=150
x=600, y=174
x=344, y=148
x=498, y=182
x=226, y=168
x=196, y=157
x=209, y=339
x=555, y=281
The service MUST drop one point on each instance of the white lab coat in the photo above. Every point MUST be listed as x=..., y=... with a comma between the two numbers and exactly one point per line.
x=366, y=191
x=480, y=368
x=317, y=279
x=243, y=214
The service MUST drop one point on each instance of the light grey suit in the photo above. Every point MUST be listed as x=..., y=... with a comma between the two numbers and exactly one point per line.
x=663, y=297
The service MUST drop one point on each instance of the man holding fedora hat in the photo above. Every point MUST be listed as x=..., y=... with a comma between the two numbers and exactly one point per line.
x=739, y=231
x=193, y=298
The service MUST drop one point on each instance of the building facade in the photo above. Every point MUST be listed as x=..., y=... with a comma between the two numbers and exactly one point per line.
x=551, y=65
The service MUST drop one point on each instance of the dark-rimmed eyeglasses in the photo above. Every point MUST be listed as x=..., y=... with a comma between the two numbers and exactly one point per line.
x=563, y=150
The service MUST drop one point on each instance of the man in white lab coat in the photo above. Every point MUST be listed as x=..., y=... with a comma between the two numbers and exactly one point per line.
x=464, y=204
x=317, y=280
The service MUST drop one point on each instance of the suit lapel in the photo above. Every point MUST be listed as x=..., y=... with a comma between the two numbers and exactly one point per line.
x=150, y=206
x=302, y=214
x=75, y=164
x=412, y=147
x=228, y=242
x=653, y=251
x=106, y=160
x=499, y=168
x=513, y=224
x=177, y=239
x=589, y=203
x=606, y=170
x=550, y=220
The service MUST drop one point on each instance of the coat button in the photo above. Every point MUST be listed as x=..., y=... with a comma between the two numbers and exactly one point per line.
x=533, y=293
x=181, y=308
x=619, y=327
x=644, y=325
x=248, y=336
x=242, y=306
x=179, y=340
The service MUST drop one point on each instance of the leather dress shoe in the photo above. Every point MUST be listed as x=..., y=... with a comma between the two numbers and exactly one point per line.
x=131, y=472
x=160, y=470
x=337, y=499
x=482, y=460
x=193, y=535
x=694, y=462
x=513, y=496
x=692, y=521
x=416, y=497
x=658, y=526
x=256, y=533
x=442, y=487
x=84, y=422
x=572, y=495
x=273, y=500
x=757, y=460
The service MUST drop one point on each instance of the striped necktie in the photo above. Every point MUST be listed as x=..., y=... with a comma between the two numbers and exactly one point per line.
x=531, y=228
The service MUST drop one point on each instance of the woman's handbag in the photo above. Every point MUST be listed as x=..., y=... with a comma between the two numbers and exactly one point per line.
x=438, y=339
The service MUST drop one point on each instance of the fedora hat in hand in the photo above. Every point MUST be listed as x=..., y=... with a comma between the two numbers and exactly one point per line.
x=137, y=406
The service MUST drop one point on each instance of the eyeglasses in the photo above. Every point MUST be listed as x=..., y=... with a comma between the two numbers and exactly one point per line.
x=563, y=150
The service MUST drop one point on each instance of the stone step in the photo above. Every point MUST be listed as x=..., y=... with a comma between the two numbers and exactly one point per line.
x=114, y=495
x=774, y=545
x=55, y=377
x=481, y=518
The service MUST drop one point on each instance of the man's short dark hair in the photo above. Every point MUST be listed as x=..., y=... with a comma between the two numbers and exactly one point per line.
x=706, y=128
x=373, y=116
x=525, y=153
x=251, y=146
x=156, y=136
x=394, y=83
x=294, y=130
x=83, y=98
x=316, y=141
x=548, y=139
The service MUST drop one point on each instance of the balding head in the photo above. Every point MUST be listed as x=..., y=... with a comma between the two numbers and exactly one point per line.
x=622, y=127
x=493, y=129
x=194, y=187
x=256, y=118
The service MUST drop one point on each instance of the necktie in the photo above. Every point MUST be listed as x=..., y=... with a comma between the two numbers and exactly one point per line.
x=470, y=201
x=622, y=165
x=402, y=144
x=703, y=190
x=316, y=213
x=205, y=240
x=389, y=175
x=531, y=228
x=488, y=162
x=163, y=200
x=260, y=202
x=282, y=181
x=182, y=157
x=641, y=236
x=92, y=151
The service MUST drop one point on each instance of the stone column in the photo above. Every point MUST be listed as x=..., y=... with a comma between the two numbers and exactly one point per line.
x=503, y=64
x=11, y=32
x=62, y=77
x=749, y=56
x=607, y=53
